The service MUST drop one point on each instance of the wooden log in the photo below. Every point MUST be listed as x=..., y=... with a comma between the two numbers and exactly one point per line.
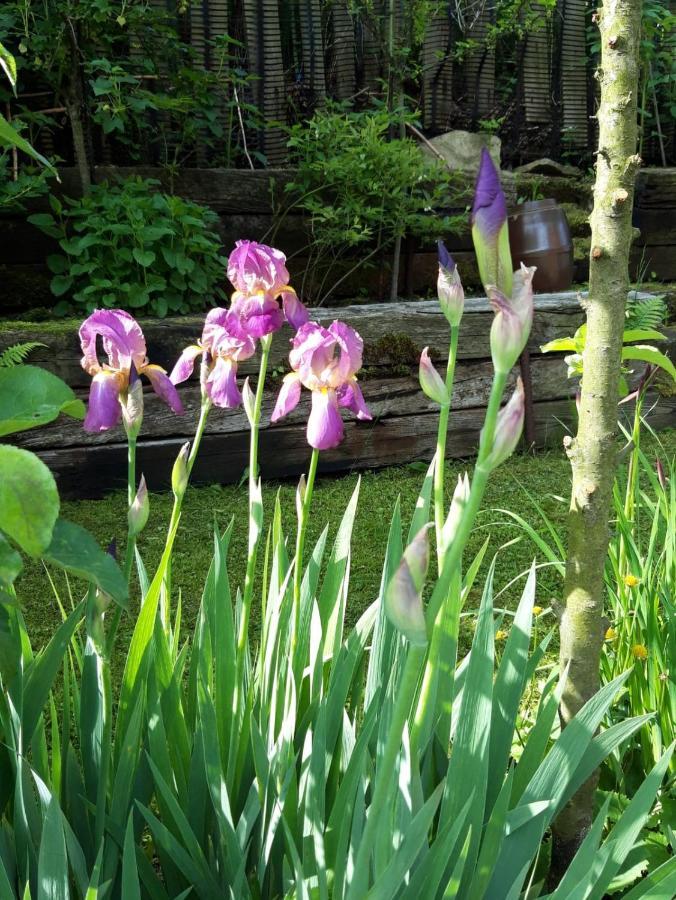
x=393, y=333
x=82, y=472
x=386, y=397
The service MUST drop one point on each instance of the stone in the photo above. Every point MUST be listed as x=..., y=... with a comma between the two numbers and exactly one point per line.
x=461, y=149
x=549, y=167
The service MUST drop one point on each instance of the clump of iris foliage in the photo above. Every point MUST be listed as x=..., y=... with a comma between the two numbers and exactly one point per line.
x=311, y=761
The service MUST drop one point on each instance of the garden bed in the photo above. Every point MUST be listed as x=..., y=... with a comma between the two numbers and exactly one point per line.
x=404, y=425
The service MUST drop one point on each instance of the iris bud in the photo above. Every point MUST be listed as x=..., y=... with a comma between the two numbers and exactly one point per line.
x=139, y=510
x=431, y=381
x=455, y=513
x=179, y=474
x=449, y=287
x=508, y=427
x=513, y=319
x=248, y=401
x=403, y=596
x=489, y=227
x=132, y=405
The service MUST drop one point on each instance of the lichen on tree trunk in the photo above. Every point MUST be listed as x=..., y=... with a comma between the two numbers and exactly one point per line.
x=593, y=451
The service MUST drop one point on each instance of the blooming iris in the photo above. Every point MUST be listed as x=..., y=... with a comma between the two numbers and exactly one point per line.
x=225, y=342
x=326, y=361
x=489, y=227
x=125, y=347
x=259, y=276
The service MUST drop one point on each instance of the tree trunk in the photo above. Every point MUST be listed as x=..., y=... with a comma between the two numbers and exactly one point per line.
x=74, y=103
x=593, y=452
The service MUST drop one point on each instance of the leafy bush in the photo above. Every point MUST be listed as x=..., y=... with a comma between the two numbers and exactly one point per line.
x=130, y=246
x=363, y=189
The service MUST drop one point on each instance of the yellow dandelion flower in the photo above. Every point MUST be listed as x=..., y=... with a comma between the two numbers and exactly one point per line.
x=537, y=610
x=639, y=651
x=611, y=634
x=631, y=580
x=500, y=635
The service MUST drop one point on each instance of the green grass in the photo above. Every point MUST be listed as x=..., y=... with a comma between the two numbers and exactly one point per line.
x=545, y=476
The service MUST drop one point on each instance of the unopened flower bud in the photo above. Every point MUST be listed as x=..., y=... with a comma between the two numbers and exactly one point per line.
x=132, y=405
x=139, y=510
x=248, y=401
x=449, y=287
x=431, y=381
x=661, y=477
x=179, y=474
x=455, y=513
x=300, y=496
x=513, y=320
x=508, y=427
x=489, y=227
x=403, y=595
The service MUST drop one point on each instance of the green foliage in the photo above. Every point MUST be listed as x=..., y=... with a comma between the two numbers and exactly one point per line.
x=17, y=353
x=640, y=313
x=30, y=397
x=645, y=313
x=363, y=189
x=639, y=578
x=128, y=246
x=144, y=94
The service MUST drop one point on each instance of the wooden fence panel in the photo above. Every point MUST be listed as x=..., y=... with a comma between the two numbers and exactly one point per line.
x=437, y=73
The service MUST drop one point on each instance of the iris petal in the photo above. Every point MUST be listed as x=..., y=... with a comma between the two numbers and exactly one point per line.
x=185, y=364
x=325, y=426
x=104, y=410
x=222, y=384
x=164, y=388
x=288, y=398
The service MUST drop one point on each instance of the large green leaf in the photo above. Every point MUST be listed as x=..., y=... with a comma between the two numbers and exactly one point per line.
x=74, y=549
x=9, y=137
x=8, y=65
x=29, y=500
x=644, y=353
x=10, y=564
x=53, y=861
x=30, y=396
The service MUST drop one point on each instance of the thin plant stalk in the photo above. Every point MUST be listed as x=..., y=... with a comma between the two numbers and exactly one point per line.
x=300, y=547
x=416, y=654
x=131, y=494
x=442, y=434
x=254, y=527
x=165, y=607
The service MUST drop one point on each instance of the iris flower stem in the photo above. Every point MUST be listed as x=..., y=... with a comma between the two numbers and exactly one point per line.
x=131, y=495
x=436, y=615
x=165, y=608
x=254, y=529
x=439, y=504
x=300, y=547
x=416, y=655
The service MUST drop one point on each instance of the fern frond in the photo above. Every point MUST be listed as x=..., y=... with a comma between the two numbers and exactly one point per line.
x=645, y=313
x=17, y=353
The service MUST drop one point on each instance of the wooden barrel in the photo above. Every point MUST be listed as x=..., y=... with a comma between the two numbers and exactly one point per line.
x=539, y=236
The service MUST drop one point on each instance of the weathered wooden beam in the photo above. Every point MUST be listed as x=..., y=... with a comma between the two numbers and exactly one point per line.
x=83, y=472
x=393, y=333
x=386, y=397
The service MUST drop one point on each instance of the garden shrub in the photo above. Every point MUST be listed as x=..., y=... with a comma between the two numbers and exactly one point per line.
x=133, y=247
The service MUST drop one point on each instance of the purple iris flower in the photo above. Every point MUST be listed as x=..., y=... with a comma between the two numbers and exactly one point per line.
x=260, y=277
x=489, y=227
x=225, y=342
x=124, y=345
x=326, y=361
